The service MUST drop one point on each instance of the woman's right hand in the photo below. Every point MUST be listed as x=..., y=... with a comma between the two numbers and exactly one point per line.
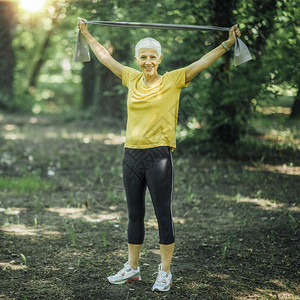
x=82, y=26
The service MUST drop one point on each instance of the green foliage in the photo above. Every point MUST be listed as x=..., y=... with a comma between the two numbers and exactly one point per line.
x=73, y=235
x=223, y=97
x=46, y=79
x=283, y=60
x=293, y=223
x=228, y=94
x=104, y=240
x=7, y=56
x=225, y=248
x=24, y=258
x=282, y=63
x=21, y=185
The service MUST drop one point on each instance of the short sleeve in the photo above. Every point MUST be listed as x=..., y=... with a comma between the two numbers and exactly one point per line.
x=178, y=77
x=128, y=74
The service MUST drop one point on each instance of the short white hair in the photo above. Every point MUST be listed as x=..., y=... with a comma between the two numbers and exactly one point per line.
x=148, y=43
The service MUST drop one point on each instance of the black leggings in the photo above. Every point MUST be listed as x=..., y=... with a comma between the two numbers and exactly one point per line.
x=152, y=168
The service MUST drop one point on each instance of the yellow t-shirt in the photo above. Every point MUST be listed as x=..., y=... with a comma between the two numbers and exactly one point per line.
x=152, y=111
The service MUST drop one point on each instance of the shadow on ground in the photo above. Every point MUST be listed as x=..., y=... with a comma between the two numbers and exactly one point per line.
x=236, y=221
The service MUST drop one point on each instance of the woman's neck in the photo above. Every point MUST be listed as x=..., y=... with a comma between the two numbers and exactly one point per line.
x=150, y=79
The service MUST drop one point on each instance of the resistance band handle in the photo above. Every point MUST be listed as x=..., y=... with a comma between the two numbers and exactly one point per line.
x=82, y=54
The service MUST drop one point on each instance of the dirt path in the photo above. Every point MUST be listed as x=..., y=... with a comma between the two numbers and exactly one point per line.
x=63, y=219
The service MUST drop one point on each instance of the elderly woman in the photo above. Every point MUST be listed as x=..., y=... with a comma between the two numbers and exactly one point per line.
x=152, y=104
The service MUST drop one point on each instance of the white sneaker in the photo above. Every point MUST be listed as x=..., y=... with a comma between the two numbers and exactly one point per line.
x=127, y=274
x=163, y=281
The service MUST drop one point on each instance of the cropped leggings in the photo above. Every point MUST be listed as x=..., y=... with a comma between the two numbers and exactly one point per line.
x=152, y=168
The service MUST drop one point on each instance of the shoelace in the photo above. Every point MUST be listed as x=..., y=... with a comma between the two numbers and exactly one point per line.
x=161, y=276
x=126, y=266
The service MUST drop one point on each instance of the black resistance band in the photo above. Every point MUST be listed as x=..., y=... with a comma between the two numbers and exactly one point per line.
x=81, y=54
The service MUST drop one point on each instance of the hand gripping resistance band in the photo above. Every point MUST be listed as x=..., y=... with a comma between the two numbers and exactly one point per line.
x=81, y=54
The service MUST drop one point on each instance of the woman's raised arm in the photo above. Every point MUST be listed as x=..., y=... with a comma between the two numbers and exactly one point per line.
x=101, y=53
x=193, y=69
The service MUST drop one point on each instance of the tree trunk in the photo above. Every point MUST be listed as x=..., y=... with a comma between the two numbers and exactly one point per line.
x=111, y=101
x=296, y=106
x=222, y=131
x=99, y=86
x=7, y=58
x=42, y=54
x=91, y=74
x=42, y=58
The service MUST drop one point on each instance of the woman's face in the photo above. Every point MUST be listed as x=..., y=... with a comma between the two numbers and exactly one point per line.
x=148, y=61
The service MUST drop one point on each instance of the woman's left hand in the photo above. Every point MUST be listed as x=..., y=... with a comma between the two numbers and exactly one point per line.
x=233, y=34
x=82, y=26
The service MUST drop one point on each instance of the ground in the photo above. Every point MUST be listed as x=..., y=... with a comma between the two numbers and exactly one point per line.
x=63, y=218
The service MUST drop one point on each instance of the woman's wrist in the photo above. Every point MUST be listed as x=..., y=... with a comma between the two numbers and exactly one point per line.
x=225, y=46
x=229, y=43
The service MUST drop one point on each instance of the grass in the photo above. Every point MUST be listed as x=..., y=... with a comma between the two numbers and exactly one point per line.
x=73, y=235
x=293, y=223
x=225, y=249
x=27, y=184
x=24, y=258
x=104, y=240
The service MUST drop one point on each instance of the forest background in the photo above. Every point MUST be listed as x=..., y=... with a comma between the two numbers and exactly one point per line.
x=38, y=74
x=236, y=199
